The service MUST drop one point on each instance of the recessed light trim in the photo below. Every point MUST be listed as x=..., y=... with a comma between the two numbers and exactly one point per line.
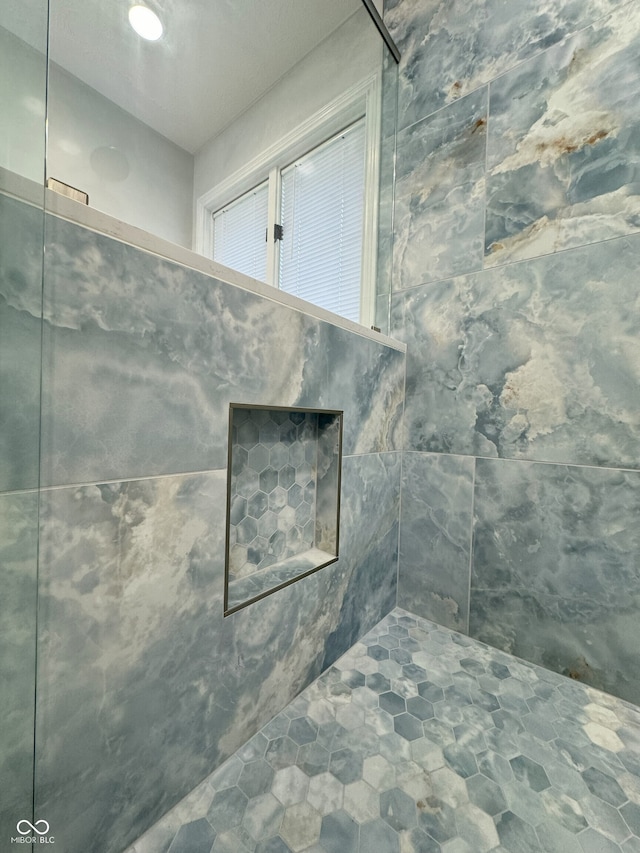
x=145, y=22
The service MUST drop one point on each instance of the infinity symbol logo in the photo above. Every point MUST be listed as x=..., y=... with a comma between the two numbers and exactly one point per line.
x=32, y=827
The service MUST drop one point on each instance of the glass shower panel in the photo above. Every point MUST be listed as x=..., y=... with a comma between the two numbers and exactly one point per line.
x=138, y=131
x=23, y=72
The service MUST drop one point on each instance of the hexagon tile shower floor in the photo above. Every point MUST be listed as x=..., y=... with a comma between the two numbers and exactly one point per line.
x=421, y=740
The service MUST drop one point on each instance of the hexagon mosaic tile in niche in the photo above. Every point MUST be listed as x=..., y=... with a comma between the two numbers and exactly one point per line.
x=283, y=502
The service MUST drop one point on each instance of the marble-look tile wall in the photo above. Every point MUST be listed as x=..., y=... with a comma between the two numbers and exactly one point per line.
x=143, y=686
x=18, y=561
x=515, y=286
x=21, y=260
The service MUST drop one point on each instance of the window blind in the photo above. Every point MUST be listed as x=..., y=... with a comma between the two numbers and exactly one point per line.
x=321, y=213
x=240, y=231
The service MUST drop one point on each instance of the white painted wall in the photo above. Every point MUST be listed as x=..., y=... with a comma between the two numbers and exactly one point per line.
x=22, y=107
x=351, y=54
x=130, y=171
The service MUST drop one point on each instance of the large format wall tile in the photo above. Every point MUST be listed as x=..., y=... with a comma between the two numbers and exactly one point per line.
x=363, y=378
x=139, y=675
x=536, y=360
x=556, y=569
x=21, y=226
x=435, y=537
x=368, y=564
x=144, y=687
x=439, y=198
x=451, y=47
x=143, y=357
x=18, y=559
x=564, y=144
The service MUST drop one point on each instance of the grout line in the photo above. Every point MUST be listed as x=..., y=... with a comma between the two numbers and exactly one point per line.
x=399, y=526
x=488, y=269
x=486, y=179
x=144, y=478
x=132, y=479
x=471, y=531
x=13, y=492
x=371, y=453
x=508, y=459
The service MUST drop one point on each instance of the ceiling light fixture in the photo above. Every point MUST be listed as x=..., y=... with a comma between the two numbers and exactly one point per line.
x=145, y=22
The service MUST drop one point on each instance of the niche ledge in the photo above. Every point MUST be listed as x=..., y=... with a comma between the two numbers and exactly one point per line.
x=283, y=498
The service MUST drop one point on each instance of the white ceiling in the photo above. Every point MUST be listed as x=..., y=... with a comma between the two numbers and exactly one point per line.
x=216, y=57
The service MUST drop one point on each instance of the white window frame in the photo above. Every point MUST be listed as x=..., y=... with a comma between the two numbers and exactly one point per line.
x=361, y=100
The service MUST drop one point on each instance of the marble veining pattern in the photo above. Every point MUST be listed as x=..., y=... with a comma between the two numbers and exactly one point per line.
x=537, y=360
x=421, y=740
x=440, y=194
x=563, y=149
x=141, y=352
x=369, y=513
x=144, y=687
x=556, y=569
x=435, y=537
x=21, y=227
x=452, y=47
x=18, y=559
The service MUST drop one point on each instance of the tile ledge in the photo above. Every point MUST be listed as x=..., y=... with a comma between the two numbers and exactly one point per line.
x=33, y=193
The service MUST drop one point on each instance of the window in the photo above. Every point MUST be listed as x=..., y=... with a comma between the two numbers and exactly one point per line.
x=321, y=212
x=239, y=233
x=320, y=199
x=303, y=216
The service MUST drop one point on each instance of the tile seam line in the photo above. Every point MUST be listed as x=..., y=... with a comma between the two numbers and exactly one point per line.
x=488, y=269
x=508, y=459
x=535, y=594
x=197, y=263
x=145, y=477
x=401, y=489
x=471, y=543
x=541, y=52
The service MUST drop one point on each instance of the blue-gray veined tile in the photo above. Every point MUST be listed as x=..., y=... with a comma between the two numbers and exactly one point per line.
x=384, y=266
x=535, y=360
x=444, y=393
x=365, y=379
x=143, y=356
x=22, y=230
x=18, y=603
x=389, y=97
x=194, y=837
x=451, y=47
x=382, y=312
x=559, y=530
x=135, y=652
x=440, y=194
x=584, y=641
x=435, y=537
x=563, y=149
x=130, y=589
x=369, y=516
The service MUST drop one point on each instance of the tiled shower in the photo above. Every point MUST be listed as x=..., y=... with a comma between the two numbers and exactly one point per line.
x=489, y=484
x=515, y=286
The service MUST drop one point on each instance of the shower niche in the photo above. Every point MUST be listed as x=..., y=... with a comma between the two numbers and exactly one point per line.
x=283, y=498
